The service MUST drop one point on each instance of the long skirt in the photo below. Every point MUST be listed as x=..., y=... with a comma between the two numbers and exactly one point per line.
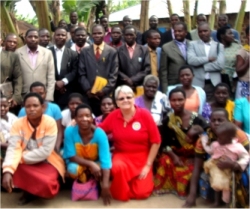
x=171, y=178
x=38, y=179
x=126, y=168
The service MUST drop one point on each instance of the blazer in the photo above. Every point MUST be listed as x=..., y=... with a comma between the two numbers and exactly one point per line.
x=44, y=70
x=167, y=36
x=171, y=60
x=11, y=69
x=137, y=67
x=106, y=67
x=196, y=56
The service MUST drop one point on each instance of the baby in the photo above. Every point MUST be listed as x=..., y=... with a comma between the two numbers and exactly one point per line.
x=226, y=146
x=193, y=134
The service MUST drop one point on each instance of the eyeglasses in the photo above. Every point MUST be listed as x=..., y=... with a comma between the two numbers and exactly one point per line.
x=123, y=98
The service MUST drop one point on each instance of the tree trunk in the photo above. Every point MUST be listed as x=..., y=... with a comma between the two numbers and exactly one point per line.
x=42, y=13
x=144, y=15
x=212, y=15
x=240, y=16
x=195, y=14
x=56, y=11
x=223, y=6
x=33, y=4
x=7, y=25
x=187, y=14
x=91, y=19
x=170, y=10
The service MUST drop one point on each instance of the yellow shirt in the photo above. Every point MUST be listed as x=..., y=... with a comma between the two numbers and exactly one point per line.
x=101, y=47
x=153, y=62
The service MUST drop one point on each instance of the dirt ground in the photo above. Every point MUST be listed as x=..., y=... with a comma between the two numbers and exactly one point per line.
x=62, y=200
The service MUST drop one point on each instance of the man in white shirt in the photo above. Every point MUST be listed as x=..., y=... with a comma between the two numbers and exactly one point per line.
x=65, y=61
x=207, y=58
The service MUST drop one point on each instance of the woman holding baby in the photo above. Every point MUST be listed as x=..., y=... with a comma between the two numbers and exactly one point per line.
x=179, y=131
x=218, y=118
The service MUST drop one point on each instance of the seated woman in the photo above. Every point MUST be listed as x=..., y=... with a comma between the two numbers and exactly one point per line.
x=176, y=160
x=218, y=116
x=68, y=115
x=84, y=147
x=136, y=143
x=152, y=99
x=221, y=100
x=51, y=109
x=107, y=106
x=30, y=162
x=195, y=95
x=242, y=113
x=7, y=119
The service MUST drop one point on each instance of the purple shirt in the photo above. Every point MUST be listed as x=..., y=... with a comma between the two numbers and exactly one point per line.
x=183, y=48
x=32, y=56
x=107, y=38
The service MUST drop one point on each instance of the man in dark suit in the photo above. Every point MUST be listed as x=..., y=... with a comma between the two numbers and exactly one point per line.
x=173, y=56
x=134, y=61
x=116, y=35
x=169, y=35
x=71, y=42
x=153, y=23
x=44, y=38
x=99, y=60
x=73, y=17
x=65, y=68
x=128, y=21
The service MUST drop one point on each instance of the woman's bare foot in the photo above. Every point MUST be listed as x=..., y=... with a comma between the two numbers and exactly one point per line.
x=189, y=203
x=26, y=198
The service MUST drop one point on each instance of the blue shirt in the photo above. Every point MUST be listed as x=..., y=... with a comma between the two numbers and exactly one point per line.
x=242, y=112
x=73, y=145
x=52, y=110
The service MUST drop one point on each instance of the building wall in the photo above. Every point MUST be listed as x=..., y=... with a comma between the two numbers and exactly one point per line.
x=164, y=23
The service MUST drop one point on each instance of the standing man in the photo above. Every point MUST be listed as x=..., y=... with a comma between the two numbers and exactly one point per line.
x=153, y=42
x=104, y=23
x=71, y=42
x=153, y=23
x=73, y=17
x=11, y=71
x=10, y=42
x=80, y=40
x=173, y=56
x=97, y=61
x=116, y=35
x=128, y=21
x=134, y=60
x=169, y=35
x=44, y=38
x=65, y=68
x=199, y=19
x=207, y=58
x=36, y=64
x=222, y=22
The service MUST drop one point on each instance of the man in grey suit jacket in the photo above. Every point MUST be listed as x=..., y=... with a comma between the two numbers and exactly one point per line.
x=65, y=61
x=207, y=58
x=95, y=60
x=37, y=64
x=173, y=56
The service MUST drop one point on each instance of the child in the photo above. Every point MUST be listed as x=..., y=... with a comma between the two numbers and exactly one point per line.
x=226, y=146
x=107, y=106
x=7, y=119
x=193, y=134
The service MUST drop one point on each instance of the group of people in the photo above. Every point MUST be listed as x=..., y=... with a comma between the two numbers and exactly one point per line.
x=138, y=112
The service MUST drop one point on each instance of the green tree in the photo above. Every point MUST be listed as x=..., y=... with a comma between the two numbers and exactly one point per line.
x=240, y=16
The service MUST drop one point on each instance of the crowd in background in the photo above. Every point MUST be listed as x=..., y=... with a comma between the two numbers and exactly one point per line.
x=142, y=113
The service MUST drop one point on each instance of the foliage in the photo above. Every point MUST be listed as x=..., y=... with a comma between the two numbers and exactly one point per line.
x=124, y=4
x=81, y=7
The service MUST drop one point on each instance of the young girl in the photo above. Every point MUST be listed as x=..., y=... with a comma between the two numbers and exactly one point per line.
x=7, y=119
x=107, y=106
x=226, y=146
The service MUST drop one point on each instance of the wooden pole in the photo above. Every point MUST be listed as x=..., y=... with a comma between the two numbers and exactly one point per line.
x=240, y=16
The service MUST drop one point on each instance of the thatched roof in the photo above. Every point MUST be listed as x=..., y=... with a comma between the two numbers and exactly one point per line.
x=24, y=26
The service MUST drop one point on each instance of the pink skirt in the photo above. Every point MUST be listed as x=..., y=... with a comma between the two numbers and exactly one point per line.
x=39, y=179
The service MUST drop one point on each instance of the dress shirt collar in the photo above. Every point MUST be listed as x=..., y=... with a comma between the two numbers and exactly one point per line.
x=1, y=48
x=152, y=50
x=57, y=49
x=30, y=52
x=101, y=46
x=207, y=43
x=131, y=47
x=179, y=42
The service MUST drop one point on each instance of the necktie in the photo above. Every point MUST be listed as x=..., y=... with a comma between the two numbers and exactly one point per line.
x=97, y=54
